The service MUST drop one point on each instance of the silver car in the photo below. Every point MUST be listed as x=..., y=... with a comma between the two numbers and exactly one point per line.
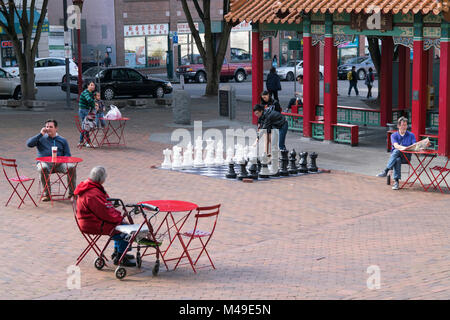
x=9, y=85
x=287, y=72
x=362, y=65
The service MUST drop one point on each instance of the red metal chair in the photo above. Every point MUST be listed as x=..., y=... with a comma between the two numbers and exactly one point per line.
x=88, y=136
x=92, y=242
x=201, y=216
x=12, y=176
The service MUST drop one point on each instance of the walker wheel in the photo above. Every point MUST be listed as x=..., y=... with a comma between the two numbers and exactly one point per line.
x=138, y=260
x=99, y=263
x=155, y=269
x=121, y=272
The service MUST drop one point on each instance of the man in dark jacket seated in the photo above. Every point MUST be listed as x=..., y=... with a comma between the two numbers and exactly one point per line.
x=96, y=215
x=271, y=119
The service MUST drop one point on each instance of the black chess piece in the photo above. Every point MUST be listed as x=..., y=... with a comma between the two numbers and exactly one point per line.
x=253, y=171
x=303, y=163
x=292, y=168
x=243, y=174
x=231, y=174
x=258, y=165
x=313, y=164
x=283, y=171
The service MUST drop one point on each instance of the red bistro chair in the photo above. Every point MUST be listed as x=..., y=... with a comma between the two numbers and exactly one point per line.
x=92, y=242
x=203, y=237
x=13, y=177
x=88, y=136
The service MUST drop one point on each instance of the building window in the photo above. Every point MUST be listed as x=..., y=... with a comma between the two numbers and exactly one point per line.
x=267, y=43
x=189, y=53
x=240, y=46
x=156, y=51
x=135, y=52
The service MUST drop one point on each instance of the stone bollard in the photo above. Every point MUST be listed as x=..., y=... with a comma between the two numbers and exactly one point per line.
x=181, y=107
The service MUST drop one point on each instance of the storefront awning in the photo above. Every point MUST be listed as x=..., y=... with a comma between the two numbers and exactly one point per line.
x=45, y=25
x=290, y=11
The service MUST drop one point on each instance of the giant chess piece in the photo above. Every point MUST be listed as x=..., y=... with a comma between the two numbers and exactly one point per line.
x=275, y=153
x=253, y=169
x=188, y=162
x=313, y=165
x=167, y=163
x=292, y=168
x=264, y=172
x=303, y=163
x=209, y=158
x=176, y=159
x=239, y=154
x=258, y=164
x=231, y=174
x=219, y=154
x=283, y=171
x=243, y=174
x=198, y=158
x=229, y=156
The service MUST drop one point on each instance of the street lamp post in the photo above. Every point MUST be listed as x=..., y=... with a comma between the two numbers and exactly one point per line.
x=79, y=3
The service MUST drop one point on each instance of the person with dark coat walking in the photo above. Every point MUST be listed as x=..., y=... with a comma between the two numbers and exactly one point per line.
x=273, y=83
x=352, y=77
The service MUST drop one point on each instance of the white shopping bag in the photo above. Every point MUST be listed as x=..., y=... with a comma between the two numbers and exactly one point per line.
x=113, y=113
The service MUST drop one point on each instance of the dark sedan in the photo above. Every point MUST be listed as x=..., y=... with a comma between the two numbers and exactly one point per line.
x=120, y=81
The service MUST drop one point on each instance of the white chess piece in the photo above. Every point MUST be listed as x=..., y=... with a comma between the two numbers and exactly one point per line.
x=219, y=154
x=209, y=158
x=187, y=157
x=167, y=164
x=176, y=160
x=229, y=156
x=275, y=153
x=198, y=153
x=239, y=153
x=264, y=173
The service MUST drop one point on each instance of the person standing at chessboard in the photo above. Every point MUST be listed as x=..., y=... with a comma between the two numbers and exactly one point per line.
x=271, y=119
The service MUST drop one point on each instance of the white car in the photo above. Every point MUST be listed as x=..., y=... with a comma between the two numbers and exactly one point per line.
x=9, y=85
x=287, y=72
x=49, y=70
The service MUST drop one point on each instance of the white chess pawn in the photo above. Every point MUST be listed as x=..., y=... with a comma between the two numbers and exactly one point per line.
x=187, y=157
x=198, y=153
x=229, y=157
x=219, y=153
x=209, y=158
x=167, y=164
x=176, y=160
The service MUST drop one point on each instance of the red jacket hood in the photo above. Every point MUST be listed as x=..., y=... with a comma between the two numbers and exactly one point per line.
x=87, y=185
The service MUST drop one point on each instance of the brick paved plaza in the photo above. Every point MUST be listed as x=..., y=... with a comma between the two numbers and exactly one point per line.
x=311, y=237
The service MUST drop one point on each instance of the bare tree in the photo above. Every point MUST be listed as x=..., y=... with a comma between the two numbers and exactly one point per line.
x=212, y=56
x=25, y=48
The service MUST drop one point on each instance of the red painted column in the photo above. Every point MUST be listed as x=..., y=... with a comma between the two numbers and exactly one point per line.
x=404, y=74
x=419, y=109
x=257, y=72
x=444, y=99
x=387, y=54
x=308, y=86
x=316, y=88
x=330, y=87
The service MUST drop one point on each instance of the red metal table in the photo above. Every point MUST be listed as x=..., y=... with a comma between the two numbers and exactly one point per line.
x=172, y=226
x=113, y=134
x=56, y=161
x=424, y=158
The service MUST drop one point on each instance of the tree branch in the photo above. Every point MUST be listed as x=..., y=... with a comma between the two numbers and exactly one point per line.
x=194, y=31
x=37, y=36
x=199, y=10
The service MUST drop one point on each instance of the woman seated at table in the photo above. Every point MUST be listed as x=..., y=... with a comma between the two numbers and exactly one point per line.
x=96, y=215
x=401, y=140
x=44, y=141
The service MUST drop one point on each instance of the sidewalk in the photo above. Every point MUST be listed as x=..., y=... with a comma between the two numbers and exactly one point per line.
x=311, y=237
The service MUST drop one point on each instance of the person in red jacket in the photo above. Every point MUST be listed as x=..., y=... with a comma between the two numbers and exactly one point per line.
x=96, y=215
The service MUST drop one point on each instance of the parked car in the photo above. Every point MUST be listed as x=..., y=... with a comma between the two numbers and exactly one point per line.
x=9, y=85
x=50, y=70
x=121, y=81
x=362, y=65
x=287, y=72
x=196, y=72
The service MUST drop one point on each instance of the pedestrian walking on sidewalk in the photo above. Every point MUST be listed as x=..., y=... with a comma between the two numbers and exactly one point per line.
x=273, y=83
x=352, y=77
